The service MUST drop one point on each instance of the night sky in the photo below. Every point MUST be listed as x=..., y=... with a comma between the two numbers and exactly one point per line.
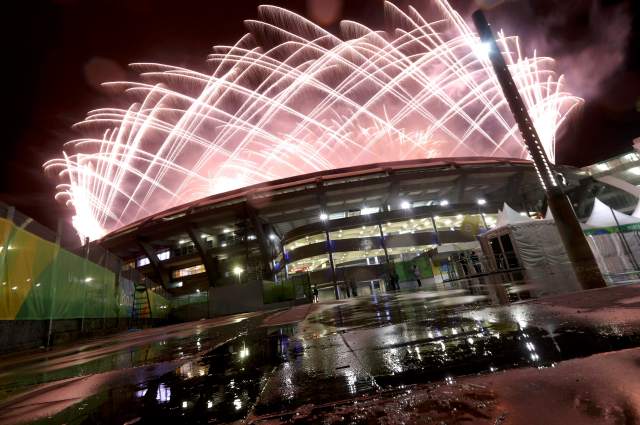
x=59, y=52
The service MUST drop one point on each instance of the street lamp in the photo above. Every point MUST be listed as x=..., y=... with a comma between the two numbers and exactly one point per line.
x=237, y=270
x=323, y=216
x=444, y=203
x=481, y=202
x=405, y=205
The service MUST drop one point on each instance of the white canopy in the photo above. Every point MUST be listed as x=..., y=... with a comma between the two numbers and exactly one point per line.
x=548, y=215
x=636, y=213
x=603, y=216
x=508, y=215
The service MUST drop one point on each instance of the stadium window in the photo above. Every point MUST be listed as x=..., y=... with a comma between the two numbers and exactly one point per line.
x=189, y=271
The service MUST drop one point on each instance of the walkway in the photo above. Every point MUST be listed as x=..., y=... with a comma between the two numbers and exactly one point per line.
x=447, y=355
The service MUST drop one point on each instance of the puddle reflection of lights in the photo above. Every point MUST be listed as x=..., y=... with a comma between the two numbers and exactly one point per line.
x=237, y=403
x=244, y=353
x=164, y=393
x=351, y=380
x=449, y=380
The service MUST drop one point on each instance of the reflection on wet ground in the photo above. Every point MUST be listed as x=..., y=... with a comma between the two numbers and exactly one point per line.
x=221, y=386
x=345, y=349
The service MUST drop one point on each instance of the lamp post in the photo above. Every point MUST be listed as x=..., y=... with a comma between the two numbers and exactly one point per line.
x=575, y=244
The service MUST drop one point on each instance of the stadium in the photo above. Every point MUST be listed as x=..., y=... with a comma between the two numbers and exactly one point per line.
x=344, y=224
x=307, y=155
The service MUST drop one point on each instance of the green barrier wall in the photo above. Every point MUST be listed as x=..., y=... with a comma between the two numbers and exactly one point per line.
x=405, y=269
x=39, y=280
x=286, y=290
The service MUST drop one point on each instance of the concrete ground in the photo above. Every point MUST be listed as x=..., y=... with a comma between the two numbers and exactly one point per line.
x=429, y=356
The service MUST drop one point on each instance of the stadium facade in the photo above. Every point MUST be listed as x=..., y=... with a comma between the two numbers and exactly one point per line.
x=342, y=225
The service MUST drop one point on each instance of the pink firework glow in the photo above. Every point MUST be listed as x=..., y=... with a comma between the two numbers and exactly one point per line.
x=290, y=98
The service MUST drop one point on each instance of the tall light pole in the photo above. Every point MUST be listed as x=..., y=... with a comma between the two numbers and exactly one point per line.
x=575, y=244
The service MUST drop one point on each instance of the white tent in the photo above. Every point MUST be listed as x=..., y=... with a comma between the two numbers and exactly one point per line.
x=636, y=213
x=603, y=216
x=508, y=215
x=540, y=251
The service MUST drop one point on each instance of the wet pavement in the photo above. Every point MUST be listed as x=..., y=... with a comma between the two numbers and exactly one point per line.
x=379, y=358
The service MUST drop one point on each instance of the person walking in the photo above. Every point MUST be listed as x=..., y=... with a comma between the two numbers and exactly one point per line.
x=475, y=262
x=416, y=273
x=315, y=293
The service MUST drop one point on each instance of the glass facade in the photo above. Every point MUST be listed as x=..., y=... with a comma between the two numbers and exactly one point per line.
x=355, y=233
x=304, y=241
x=188, y=271
x=310, y=264
x=362, y=245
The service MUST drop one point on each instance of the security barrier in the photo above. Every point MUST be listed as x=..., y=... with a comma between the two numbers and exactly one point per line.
x=49, y=292
x=41, y=280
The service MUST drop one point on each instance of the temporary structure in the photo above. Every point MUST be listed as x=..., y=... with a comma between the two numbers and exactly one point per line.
x=508, y=215
x=604, y=216
x=614, y=238
x=533, y=246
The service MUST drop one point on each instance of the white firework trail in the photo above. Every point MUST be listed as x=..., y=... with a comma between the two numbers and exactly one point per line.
x=290, y=98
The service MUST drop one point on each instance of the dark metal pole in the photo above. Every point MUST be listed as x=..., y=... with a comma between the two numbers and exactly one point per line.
x=574, y=241
x=333, y=267
x=435, y=230
x=383, y=243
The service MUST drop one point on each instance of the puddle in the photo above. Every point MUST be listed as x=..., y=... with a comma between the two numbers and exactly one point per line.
x=363, y=347
x=221, y=386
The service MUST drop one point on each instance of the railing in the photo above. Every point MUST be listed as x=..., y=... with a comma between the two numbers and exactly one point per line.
x=473, y=265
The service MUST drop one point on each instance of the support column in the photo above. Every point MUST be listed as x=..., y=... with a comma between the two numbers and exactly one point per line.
x=333, y=267
x=284, y=260
x=155, y=262
x=573, y=239
x=384, y=244
x=263, y=242
x=435, y=229
x=210, y=265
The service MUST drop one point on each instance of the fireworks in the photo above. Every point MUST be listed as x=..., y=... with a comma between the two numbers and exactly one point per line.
x=290, y=98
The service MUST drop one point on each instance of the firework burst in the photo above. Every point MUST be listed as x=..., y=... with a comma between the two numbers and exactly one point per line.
x=290, y=98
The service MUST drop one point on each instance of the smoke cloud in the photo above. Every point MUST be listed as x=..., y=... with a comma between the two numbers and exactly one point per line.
x=588, y=39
